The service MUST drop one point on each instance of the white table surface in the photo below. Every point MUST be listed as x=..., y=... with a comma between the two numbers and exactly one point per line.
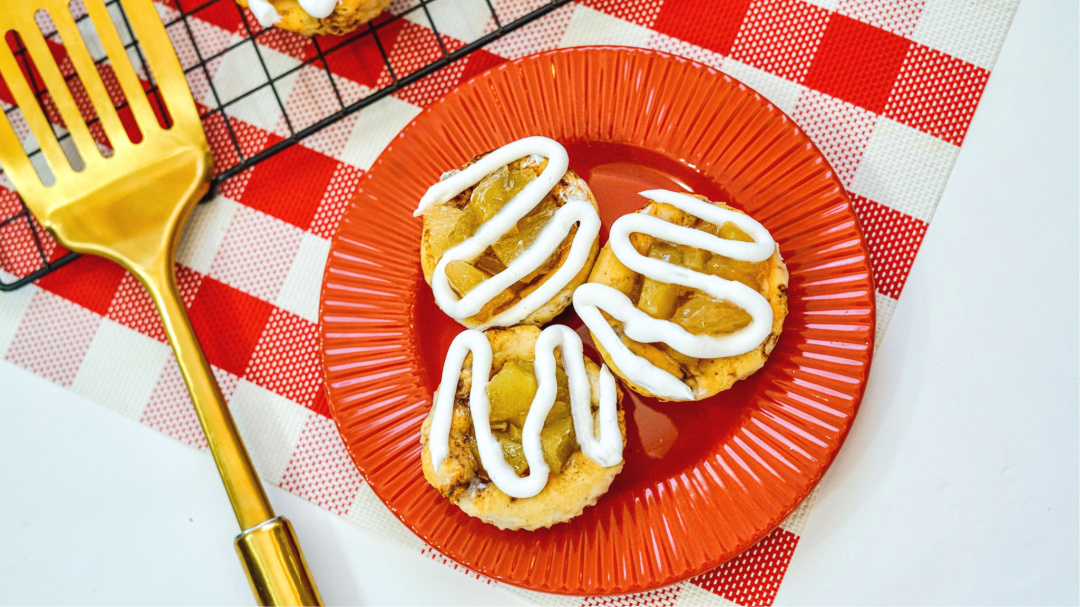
x=958, y=484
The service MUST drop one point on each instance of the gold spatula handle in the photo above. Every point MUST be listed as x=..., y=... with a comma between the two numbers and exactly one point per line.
x=275, y=565
x=268, y=548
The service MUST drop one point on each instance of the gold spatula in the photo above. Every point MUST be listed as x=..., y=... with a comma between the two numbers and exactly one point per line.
x=129, y=208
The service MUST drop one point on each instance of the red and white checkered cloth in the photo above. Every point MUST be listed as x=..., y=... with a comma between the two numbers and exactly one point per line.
x=886, y=88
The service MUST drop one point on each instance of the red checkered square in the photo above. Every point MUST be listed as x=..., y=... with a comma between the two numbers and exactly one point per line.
x=840, y=129
x=292, y=200
x=286, y=359
x=225, y=15
x=220, y=133
x=358, y=60
x=896, y=16
x=53, y=338
x=170, y=411
x=781, y=37
x=89, y=281
x=661, y=597
x=644, y=12
x=320, y=469
x=319, y=404
x=133, y=308
x=857, y=62
x=706, y=23
x=753, y=577
x=338, y=194
x=936, y=93
x=228, y=323
x=893, y=239
x=9, y=198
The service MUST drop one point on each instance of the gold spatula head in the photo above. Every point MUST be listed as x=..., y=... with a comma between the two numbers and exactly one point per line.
x=129, y=207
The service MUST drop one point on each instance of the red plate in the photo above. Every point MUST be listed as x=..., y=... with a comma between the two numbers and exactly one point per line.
x=703, y=481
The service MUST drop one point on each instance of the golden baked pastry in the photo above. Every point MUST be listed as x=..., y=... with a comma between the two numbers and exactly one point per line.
x=674, y=320
x=519, y=495
x=290, y=15
x=515, y=224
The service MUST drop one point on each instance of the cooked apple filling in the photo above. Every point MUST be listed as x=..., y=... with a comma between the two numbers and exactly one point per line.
x=450, y=224
x=510, y=393
x=691, y=309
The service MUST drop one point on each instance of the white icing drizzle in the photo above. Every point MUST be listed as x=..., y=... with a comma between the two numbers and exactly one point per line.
x=606, y=451
x=267, y=15
x=641, y=327
x=264, y=12
x=319, y=9
x=575, y=210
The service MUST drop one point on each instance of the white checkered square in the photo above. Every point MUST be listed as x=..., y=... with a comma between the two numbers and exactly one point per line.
x=548, y=600
x=692, y=595
x=321, y=470
x=238, y=73
x=330, y=141
x=884, y=306
x=972, y=31
x=270, y=426
x=53, y=337
x=464, y=20
x=256, y=253
x=121, y=368
x=370, y=514
x=542, y=34
x=904, y=168
x=169, y=409
x=590, y=27
x=203, y=233
x=13, y=306
x=376, y=126
x=310, y=98
x=829, y=5
x=781, y=92
x=299, y=293
x=840, y=129
x=231, y=73
x=796, y=521
x=897, y=16
x=663, y=42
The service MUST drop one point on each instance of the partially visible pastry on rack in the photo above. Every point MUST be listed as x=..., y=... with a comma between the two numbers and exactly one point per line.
x=315, y=17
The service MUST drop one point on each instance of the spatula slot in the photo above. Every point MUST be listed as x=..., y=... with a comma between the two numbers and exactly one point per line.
x=110, y=39
x=59, y=48
x=91, y=42
x=16, y=114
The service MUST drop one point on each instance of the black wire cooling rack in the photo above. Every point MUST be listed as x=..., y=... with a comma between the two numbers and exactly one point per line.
x=185, y=20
